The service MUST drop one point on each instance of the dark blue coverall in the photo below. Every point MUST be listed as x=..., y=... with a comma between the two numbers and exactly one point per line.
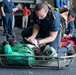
x=51, y=23
x=7, y=19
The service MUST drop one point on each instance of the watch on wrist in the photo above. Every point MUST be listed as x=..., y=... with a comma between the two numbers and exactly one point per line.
x=40, y=45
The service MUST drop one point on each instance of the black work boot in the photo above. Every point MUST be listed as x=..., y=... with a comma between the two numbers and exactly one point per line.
x=4, y=43
x=70, y=48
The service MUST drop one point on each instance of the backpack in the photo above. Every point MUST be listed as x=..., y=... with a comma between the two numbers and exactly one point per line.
x=63, y=14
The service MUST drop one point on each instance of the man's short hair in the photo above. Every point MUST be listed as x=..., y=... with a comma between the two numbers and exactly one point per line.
x=72, y=13
x=39, y=6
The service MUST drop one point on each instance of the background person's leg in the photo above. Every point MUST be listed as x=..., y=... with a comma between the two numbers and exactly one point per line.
x=23, y=21
x=10, y=24
x=5, y=24
x=26, y=21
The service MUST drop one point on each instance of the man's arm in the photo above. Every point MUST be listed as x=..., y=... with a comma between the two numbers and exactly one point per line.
x=49, y=39
x=2, y=10
x=34, y=33
x=15, y=9
x=20, y=8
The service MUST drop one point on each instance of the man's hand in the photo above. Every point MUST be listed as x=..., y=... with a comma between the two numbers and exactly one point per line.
x=67, y=36
x=30, y=38
x=3, y=14
x=33, y=41
x=70, y=35
x=64, y=35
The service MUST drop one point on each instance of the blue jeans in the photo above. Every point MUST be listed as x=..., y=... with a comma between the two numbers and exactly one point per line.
x=7, y=23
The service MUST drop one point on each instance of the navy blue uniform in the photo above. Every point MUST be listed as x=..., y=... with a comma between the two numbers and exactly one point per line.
x=7, y=19
x=70, y=28
x=51, y=23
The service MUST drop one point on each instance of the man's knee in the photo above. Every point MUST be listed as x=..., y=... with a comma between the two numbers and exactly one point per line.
x=27, y=32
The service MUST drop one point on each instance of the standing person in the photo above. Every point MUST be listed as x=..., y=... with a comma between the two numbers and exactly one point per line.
x=26, y=13
x=60, y=3
x=7, y=8
x=69, y=31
